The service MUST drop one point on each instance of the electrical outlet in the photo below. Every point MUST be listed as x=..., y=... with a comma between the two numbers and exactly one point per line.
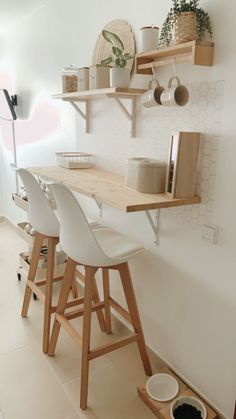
x=210, y=233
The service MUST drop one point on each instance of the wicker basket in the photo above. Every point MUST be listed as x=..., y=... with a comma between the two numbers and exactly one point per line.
x=74, y=160
x=185, y=28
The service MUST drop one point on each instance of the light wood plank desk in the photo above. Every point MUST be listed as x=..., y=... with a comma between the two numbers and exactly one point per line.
x=109, y=189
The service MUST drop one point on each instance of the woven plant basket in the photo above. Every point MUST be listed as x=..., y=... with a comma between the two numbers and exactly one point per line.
x=185, y=28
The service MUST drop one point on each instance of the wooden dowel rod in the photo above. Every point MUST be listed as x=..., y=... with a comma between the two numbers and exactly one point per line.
x=69, y=328
x=124, y=313
x=36, y=290
x=104, y=349
x=78, y=313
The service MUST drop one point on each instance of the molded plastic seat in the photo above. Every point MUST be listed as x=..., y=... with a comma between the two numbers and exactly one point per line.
x=97, y=247
x=115, y=245
x=94, y=248
x=46, y=224
x=40, y=214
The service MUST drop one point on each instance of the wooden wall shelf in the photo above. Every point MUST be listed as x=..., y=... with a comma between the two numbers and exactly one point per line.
x=116, y=93
x=108, y=188
x=194, y=52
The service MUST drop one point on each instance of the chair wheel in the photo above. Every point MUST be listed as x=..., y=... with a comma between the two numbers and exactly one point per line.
x=19, y=276
x=34, y=296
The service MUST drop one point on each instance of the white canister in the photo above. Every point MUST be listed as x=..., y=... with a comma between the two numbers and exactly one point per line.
x=149, y=38
x=83, y=78
x=146, y=175
x=99, y=77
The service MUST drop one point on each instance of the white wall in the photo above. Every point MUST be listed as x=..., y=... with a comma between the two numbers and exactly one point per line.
x=185, y=287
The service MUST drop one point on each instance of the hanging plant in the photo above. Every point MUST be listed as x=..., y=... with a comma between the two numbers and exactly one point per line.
x=203, y=24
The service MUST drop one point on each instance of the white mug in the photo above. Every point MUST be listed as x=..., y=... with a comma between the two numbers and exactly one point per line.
x=175, y=96
x=153, y=96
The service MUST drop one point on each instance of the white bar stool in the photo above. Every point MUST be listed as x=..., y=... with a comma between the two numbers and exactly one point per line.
x=99, y=248
x=44, y=221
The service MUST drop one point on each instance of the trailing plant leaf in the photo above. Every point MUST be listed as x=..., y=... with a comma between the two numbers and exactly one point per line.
x=127, y=56
x=107, y=61
x=116, y=51
x=179, y=6
x=113, y=39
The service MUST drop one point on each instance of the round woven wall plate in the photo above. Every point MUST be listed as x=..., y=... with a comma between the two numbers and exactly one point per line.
x=103, y=49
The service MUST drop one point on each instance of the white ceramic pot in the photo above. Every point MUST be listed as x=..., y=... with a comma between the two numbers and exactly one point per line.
x=119, y=77
x=192, y=401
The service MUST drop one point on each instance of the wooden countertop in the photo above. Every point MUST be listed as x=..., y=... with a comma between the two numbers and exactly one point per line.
x=109, y=189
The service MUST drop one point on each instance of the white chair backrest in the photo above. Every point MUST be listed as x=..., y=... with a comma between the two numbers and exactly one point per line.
x=76, y=237
x=40, y=214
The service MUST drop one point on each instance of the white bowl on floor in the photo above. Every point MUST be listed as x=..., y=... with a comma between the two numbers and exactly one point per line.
x=192, y=401
x=162, y=387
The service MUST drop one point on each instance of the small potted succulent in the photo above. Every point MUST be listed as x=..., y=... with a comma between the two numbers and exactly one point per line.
x=119, y=74
x=185, y=21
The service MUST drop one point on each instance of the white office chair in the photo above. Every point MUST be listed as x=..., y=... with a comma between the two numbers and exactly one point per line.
x=44, y=221
x=99, y=248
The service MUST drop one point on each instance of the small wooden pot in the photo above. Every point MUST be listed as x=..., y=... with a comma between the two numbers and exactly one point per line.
x=185, y=28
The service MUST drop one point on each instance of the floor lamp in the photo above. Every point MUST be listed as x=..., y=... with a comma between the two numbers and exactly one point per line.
x=7, y=113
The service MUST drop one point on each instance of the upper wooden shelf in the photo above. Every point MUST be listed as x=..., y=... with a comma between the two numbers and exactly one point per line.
x=194, y=52
x=117, y=92
x=108, y=188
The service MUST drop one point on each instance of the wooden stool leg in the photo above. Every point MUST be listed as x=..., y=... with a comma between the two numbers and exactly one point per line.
x=74, y=289
x=106, y=291
x=96, y=299
x=89, y=278
x=65, y=290
x=134, y=314
x=52, y=242
x=38, y=242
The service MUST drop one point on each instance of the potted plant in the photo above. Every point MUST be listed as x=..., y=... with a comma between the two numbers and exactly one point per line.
x=186, y=21
x=119, y=74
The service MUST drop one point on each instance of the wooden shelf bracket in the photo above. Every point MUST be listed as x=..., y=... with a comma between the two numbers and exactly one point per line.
x=154, y=223
x=84, y=115
x=131, y=116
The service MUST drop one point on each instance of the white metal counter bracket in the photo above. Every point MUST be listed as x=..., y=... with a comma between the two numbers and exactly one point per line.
x=84, y=115
x=155, y=224
x=130, y=115
x=100, y=207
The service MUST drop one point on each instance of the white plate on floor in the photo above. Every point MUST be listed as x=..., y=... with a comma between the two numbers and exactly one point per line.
x=162, y=387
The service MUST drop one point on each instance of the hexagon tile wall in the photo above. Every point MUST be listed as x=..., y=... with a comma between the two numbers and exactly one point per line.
x=110, y=143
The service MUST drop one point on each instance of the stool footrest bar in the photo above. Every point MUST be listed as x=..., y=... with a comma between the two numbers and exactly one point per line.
x=124, y=313
x=69, y=328
x=104, y=349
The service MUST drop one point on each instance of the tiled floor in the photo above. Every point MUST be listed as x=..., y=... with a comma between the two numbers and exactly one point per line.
x=34, y=386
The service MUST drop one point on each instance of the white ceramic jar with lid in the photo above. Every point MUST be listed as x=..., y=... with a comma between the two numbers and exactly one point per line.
x=146, y=175
x=70, y=79
x=149, y=38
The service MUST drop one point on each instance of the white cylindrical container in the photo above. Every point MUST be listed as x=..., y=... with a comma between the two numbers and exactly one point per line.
x=83, y=78
x=146, y=175
x=149, y=38
x=119, y=77
x=99, y=77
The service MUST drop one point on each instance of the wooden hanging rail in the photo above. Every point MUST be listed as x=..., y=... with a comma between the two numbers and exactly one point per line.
x=194, y=52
